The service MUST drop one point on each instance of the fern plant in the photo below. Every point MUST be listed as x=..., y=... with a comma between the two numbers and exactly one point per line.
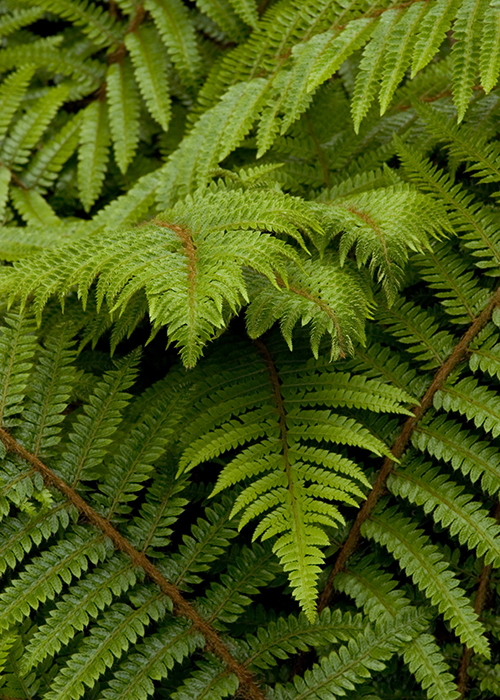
x=249, y=349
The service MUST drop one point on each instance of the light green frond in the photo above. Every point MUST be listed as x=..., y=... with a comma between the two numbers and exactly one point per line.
x=18, y=18
x=33, y=208
x=28, y=130
x=370, y=67
x=321, y=294
x=123, y=109
x=247, y=10
x=93, y=152
x=50, y=159
x=218, y=132
x=466, y=51
x=12, y=91
x=432, y=32
x=94, y=20
x=172, y=20
x=150, y=67
x=222, y=12
x=399, y=51
x=490, y=48
x=383, y=224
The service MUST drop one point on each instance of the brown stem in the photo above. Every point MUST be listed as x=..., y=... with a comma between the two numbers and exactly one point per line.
x=182, y=607
x=482, y=592
x=402, y=441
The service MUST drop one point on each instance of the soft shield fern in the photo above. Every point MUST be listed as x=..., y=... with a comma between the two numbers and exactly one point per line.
x=249, y=350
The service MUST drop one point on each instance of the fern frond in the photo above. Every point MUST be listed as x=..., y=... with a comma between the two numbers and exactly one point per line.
x=466, y=51
x=286, y=636
x=51, y=386
x=425, y=660
x=432, y=32
x=247, y=10
x=59, y=564
x=446, y=440
x=383, y=224
x=150, y=68
x=490, y=49
x=209, y=538
x=425, y=564
x=322, y=294
x=370, y=67
x=218, y=132
x=12, y=91
x=77, y=607
x=28, y=130
x=153, y=657
x=98, y=24
x=477, y=224
x=417, y=329
x=249, y=571
x=444, y=499
x=117, y=628
x=48, y=162
x=33, y=208
x=476, y=402
x=457, y=288
x=93, y=152
x=399, y=51
x=123, y=108
x=175, y=28
x=18, y=18
x=373, y=589
x=351, y=665
x=93, y=428
x=17, y=349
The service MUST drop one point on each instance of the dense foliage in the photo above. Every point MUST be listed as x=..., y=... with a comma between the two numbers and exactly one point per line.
x=249, y=349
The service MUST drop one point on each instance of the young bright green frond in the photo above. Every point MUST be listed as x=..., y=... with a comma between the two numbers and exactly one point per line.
x=383, y=224
x=432, y=32
x=323, y=295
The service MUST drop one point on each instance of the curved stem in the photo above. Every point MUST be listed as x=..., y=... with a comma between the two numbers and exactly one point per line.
x=182, y=607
